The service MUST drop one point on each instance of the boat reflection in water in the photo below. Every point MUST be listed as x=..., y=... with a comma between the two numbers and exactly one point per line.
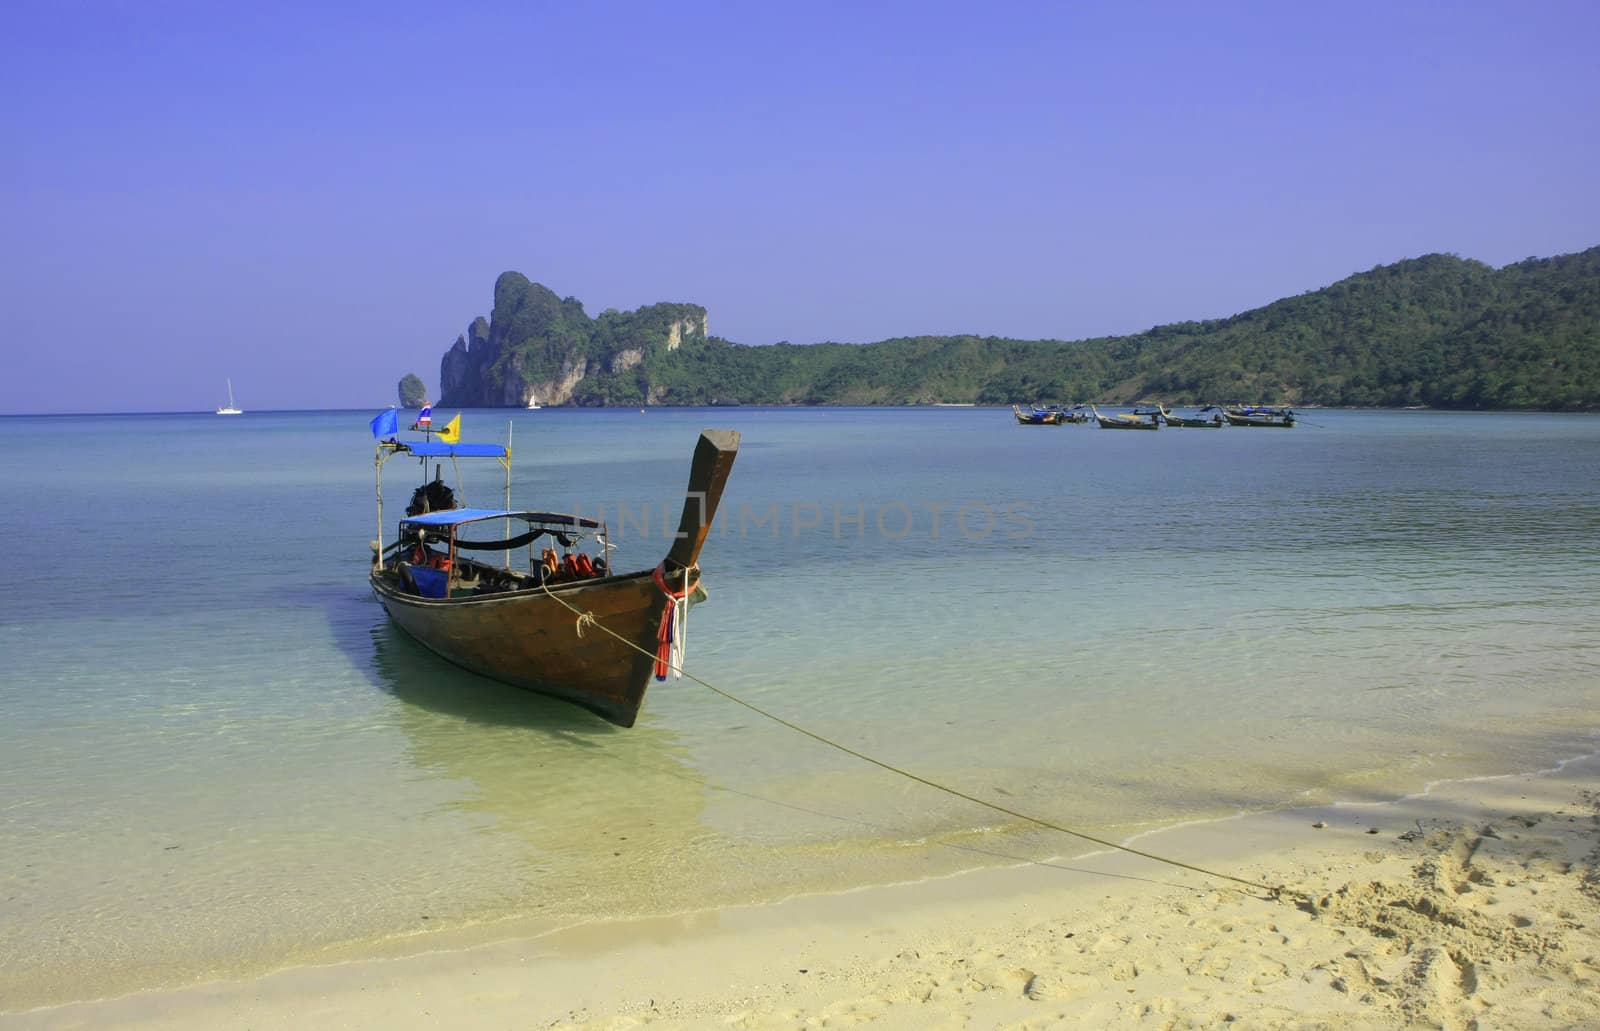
x=557, y=816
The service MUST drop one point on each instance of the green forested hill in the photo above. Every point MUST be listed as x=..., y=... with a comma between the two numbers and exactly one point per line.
x=1437, y=330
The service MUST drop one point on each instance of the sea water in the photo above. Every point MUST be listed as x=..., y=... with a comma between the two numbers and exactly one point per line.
x=218, y=757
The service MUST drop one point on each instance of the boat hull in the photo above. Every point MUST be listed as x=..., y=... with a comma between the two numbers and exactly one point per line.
x=530, y=640
x=1112, y=422
x=1245, y=420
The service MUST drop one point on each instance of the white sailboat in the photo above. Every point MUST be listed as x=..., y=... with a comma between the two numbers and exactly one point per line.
x=533, y=402
x=229, y=410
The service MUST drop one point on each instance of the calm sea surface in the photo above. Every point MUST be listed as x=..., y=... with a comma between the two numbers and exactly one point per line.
x=217, y=757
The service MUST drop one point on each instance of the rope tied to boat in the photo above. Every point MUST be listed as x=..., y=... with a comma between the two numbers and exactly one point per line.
x=673, y=631
x=585, y=619
x=1274, y=891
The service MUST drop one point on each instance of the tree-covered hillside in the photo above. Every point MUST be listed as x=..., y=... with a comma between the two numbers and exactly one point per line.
x=1437, y=330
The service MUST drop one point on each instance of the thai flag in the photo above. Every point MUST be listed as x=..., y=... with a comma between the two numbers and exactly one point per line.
x=426, y=418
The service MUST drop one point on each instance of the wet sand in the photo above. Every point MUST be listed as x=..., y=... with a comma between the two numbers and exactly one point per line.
x=1474, y=905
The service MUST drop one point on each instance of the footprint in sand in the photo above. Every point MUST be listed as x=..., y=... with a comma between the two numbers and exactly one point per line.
x=1060, y=987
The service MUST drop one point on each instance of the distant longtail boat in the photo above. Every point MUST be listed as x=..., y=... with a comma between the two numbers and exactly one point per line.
x=1258, y=415
x=1124, y=421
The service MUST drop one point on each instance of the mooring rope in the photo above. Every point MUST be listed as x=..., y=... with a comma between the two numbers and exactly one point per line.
x=587, y=618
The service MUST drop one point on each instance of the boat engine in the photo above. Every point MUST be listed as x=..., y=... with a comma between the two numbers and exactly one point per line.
x=431, y=497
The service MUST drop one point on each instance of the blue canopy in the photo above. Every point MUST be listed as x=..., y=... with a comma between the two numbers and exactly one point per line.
x=453, y=516
x=457, y=516
x=439, y=449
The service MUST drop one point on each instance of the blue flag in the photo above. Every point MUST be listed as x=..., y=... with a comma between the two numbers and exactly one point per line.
x=385, y=424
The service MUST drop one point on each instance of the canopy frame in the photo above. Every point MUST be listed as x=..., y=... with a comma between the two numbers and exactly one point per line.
x=424, y=450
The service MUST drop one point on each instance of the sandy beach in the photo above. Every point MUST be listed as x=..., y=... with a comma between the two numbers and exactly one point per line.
x=1476, y=904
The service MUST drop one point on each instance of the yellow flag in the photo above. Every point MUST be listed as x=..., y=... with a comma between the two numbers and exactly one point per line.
x=451, y=434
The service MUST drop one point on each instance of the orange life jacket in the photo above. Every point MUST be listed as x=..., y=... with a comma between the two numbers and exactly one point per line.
x=421, y=556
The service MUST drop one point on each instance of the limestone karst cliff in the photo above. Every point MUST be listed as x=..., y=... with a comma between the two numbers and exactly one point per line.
x=537, y=344
x=413, y=393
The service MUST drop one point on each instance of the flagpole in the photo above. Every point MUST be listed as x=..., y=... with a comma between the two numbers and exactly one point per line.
x=510, y=429
x=427, y=432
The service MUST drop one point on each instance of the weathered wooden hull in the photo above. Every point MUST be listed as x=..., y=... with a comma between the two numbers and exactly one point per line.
x=1118, y=424
x=530, y=640
x=1193, y=424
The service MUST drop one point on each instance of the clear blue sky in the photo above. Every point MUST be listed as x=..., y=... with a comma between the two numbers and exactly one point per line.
x=316, y=199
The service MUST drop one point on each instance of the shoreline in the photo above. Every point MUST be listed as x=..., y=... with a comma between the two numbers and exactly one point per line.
x=785, y=406
x=1472, y=896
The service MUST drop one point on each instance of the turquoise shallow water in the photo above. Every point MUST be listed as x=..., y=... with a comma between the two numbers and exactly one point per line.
x=217, y=757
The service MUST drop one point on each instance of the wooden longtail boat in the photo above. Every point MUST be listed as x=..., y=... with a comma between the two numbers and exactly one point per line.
x=1257, y=415
x=1185, y=422
x=509, y=624
x=1037, y=417
x=1123, y=421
